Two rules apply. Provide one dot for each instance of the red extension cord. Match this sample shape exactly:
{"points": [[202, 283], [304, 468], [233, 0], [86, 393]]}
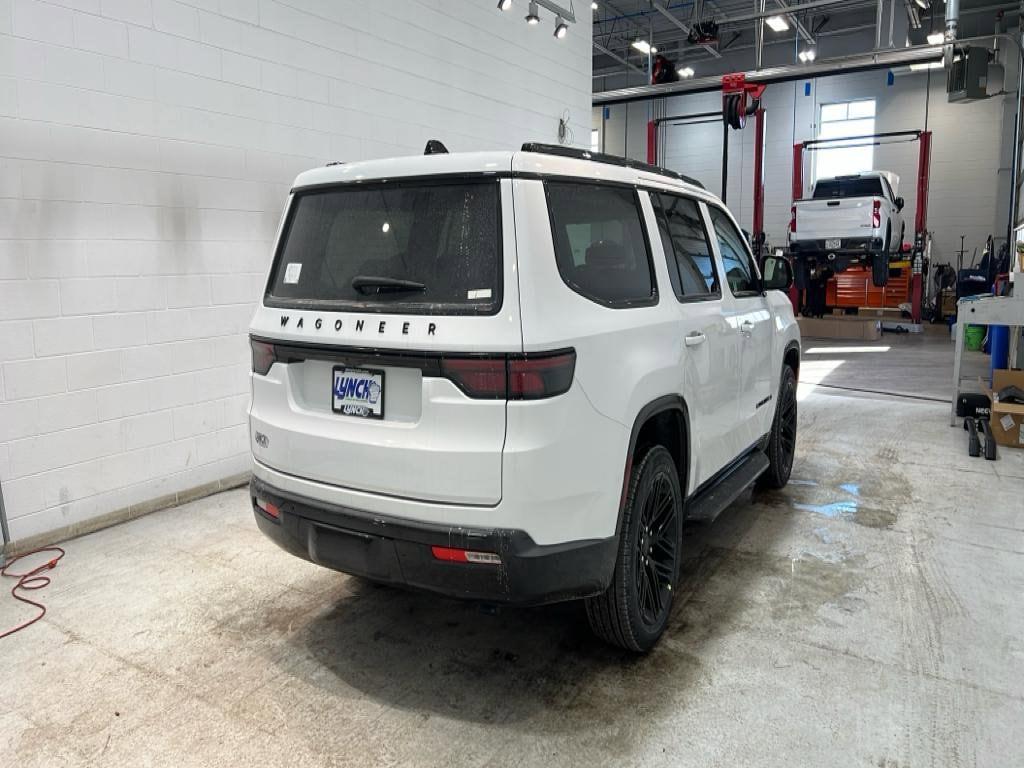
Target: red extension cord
{"points": [[30, 580]]}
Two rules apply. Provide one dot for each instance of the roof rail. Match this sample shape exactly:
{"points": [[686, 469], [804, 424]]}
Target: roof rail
{"points": [[600, 157]]}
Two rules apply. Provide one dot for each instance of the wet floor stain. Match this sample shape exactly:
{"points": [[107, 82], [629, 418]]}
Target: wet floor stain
{"points": [[852, 510], [851, 488], [835, 509]]}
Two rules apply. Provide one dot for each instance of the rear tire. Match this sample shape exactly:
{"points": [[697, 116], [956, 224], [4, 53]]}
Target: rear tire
{"points": [[880, 263], [633, 612], [782, 440]]}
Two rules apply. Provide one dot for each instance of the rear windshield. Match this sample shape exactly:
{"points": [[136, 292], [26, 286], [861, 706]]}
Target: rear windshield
{"points": [[408, 247], [832, 188]]}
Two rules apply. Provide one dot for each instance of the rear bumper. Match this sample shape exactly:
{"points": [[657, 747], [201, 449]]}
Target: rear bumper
{"points": [[849, 246], [397, 551]]}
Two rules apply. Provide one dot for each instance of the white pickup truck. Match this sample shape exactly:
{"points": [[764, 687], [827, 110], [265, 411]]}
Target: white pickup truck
{"points": [[848, 220]]}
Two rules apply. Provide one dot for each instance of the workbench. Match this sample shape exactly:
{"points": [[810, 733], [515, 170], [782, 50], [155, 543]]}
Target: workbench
{"points": [[986, 310]]}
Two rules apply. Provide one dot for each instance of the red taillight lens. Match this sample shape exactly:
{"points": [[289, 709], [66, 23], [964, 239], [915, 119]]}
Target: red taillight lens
{"points": [[480, 377], [270, 509], [531, 378], [792, 219], [876, 213], [515, 377], [453, 555], [263, 356]]}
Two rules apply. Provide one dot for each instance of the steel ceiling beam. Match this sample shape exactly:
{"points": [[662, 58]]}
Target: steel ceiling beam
{"points": [[782, 74], [800, 28], [620, 59], [565, 13]]}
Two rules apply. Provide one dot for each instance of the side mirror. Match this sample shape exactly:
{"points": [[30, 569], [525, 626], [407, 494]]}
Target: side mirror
{"points": [[900, 203], [778, 274]]}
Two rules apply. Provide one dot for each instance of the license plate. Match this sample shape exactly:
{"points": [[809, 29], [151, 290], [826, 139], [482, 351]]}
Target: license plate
{"points": [[833, 244], [358, 392]]}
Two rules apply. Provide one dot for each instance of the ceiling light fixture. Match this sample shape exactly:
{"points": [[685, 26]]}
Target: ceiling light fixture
{"points": [[920, 67], [593, 6], [561, 28], [935, 38], [533, 14], [807, 56], [644, 47], [504, 5], [685, 71], [777, 23]]}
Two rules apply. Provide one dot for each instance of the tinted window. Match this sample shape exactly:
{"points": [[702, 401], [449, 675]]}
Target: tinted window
{"points": [[736, 259], [599, 241], [855, 187], [686, 246], [444, 237]]}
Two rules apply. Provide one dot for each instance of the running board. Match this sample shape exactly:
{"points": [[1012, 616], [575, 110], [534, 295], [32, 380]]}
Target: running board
{"points": [[707, 504]]}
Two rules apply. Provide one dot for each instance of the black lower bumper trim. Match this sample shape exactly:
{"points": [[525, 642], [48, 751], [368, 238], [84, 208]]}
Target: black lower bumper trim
{"points": [[398, 552]]}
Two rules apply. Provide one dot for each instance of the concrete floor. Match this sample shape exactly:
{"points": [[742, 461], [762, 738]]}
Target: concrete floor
{"points": [[868, 615]]}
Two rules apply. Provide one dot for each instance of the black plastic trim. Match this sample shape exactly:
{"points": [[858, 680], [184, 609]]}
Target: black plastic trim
{"points": [[660, 405], [397, 551]]}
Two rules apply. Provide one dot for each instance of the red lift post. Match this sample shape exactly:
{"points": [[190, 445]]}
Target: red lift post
{"points": [[924, 162]]}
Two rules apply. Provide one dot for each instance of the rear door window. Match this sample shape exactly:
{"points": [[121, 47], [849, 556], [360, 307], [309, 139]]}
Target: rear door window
{"points": [[411, 247], [600, 243], [685, 241]]}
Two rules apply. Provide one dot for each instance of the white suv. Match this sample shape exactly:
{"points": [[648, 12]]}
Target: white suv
{"points": [[510, 377]]}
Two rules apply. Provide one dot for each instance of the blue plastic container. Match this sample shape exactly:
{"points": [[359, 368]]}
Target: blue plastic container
{"points": [[999, 338]]}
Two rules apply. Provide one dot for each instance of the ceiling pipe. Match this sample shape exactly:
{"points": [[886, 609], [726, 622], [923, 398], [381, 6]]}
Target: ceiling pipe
{"points": [[782, 74], [879, 12], [952, 22], [555, 8]]}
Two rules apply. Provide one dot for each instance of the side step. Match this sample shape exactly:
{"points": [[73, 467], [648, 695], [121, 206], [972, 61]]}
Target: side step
{"points": [[709, 502]]}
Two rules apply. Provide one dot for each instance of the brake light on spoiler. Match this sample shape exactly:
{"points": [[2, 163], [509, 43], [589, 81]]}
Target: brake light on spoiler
{"points": [[876, 213]]}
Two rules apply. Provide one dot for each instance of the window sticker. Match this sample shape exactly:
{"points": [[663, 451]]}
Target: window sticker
{"points": [[481, 293], [292, 272]]}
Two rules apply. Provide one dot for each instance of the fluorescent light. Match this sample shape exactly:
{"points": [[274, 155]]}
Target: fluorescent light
{"points": [[561, 28], [807, 56], [777, 23], [504, 5], [644, 47], [533, 14], [685, 71], [926, 65], [935, 38]]}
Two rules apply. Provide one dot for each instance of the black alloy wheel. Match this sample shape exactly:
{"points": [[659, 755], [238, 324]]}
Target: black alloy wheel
{"points": [[633, 611]]}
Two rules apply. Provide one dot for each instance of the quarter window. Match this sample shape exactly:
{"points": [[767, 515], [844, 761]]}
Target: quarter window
{"points": [[740, 272], [600, 245], [685, 241]]}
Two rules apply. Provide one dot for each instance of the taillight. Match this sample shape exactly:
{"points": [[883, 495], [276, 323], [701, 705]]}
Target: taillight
{"points": [[792, 219], [876, 213], [479, 377], [532, 378], [263, 356], [453, 555], [512, 377]]}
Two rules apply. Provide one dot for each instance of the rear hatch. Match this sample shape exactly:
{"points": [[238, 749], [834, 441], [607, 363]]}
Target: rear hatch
{"points": [[841, 208], [379, 351]]}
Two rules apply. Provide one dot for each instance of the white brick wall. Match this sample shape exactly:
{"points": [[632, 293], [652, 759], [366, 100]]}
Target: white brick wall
{"points": [[146, 148], [970, 151]]}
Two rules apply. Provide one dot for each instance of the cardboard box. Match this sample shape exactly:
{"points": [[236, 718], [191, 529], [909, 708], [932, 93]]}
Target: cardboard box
{"points": [[848, 327], [1007, 421]]}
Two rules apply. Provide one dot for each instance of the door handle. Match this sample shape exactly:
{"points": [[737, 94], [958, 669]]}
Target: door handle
{"points": [[694, 339], [746, 328]]}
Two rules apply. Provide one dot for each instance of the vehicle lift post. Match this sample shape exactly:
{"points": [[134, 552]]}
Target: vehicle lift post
{"points": [[924, 164]]}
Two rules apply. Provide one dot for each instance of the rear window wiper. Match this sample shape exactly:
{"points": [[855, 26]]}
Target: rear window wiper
{"points": [[372, 284]]}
